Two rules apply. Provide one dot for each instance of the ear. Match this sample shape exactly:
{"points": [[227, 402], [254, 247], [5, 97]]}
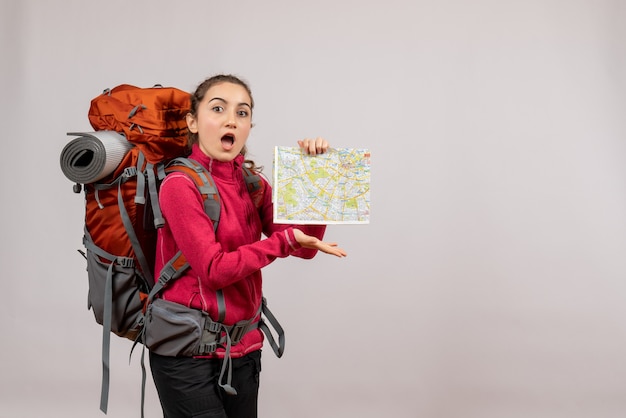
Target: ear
{"points": [[192, 124]]}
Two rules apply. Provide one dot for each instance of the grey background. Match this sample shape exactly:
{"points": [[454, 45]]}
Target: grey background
{"points": [[490, 282]]}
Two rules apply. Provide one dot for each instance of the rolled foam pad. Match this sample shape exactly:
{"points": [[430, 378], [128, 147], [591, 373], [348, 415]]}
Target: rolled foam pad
{"points": [[93, 155]]}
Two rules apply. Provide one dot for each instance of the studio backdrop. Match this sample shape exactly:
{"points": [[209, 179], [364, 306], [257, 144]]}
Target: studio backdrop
{"points": [[489, 282]]}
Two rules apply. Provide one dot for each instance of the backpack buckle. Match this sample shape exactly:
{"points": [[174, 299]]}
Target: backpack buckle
{"points": [[212, 327], [208, 348], [237, 333], [125, 262], [130, 172], [210, 336]]}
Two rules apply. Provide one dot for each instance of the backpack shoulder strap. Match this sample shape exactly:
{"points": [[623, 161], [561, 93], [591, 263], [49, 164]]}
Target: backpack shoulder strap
{"points": [[256, 186], [203, 180]]}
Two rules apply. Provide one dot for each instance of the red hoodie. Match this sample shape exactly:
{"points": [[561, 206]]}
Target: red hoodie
{"points": [[232, 259]]}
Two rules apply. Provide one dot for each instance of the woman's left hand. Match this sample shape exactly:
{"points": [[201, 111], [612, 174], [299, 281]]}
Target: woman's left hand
{"points": [[313, 243], [313, 146]]}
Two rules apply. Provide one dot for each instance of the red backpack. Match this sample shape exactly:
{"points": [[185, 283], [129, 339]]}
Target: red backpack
{"points": [[140, 136], [121, 210]]}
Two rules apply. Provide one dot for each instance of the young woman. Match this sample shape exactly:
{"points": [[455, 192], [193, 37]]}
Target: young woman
{"points": [[229, 260]]}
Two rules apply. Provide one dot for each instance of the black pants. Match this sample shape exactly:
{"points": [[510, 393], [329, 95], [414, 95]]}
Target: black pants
{"points": [[188, 387]]}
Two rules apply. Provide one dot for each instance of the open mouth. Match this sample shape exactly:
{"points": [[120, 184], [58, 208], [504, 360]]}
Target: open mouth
{"points": [[228, 141]]}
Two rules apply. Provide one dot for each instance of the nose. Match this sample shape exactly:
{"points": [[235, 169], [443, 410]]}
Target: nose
{"points": [[231, 121]]}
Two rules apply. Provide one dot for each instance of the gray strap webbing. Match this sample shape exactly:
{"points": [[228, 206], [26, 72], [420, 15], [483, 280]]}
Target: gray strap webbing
{"points": [[140, 338], [168, 272], [135, 109], [161, 171], [211, 204], [89, 244], [143, 379], [279, 348], [128, 173], [140, 198], [221, 306], [128, 225], [252, 180], [159, 221], [207, 186], [227, 364], [106, 339]]}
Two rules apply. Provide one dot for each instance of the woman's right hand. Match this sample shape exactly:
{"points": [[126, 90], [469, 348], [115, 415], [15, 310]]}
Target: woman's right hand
{"points": [[308, 241]]}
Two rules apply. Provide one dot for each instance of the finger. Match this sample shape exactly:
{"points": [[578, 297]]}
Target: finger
{"points": [[321, 145], [331, 248], [314, 146], [308, 145]]}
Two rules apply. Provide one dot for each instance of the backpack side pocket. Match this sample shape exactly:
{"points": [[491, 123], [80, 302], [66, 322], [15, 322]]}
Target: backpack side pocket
{"points": [[126, 301]]}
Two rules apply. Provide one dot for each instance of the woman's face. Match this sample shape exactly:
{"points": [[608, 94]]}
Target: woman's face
{"points": [[222, 121]]}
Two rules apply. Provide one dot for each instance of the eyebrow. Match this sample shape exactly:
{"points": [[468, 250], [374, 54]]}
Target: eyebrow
{"points": [[222, 100]]}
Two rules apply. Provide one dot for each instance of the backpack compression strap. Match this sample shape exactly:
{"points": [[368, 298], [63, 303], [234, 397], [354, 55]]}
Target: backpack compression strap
{"points": [[128, 225]]}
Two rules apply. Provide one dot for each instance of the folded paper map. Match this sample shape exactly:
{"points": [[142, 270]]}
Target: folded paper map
{"points": [[329, 188]]}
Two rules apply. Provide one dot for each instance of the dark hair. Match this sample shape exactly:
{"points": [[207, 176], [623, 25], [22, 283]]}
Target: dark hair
{"points": [[197, 96]]}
